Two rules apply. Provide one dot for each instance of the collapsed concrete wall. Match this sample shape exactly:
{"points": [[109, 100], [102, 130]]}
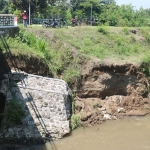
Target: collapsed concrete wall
{"points": [[47, 105]]}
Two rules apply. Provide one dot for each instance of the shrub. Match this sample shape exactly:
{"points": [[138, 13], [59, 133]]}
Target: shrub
{"points": [[146, 69], [75, 121], [14, 113], [103, 30], [126, 30], [147, 37], [132, 39], [71, 73]]}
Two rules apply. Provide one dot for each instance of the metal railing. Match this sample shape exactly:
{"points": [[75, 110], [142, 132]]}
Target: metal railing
{"points": [[7, 20]]}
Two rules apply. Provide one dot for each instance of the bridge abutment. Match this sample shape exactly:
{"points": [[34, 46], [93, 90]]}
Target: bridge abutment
{"points": [[47, 106]]}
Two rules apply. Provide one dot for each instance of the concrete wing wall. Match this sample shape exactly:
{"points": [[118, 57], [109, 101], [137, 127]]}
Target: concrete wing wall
{"points": [[47, 103]]}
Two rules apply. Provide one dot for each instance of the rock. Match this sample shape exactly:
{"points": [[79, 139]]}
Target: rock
{"points": [[66, 131], [107, 116], [120, 109]]}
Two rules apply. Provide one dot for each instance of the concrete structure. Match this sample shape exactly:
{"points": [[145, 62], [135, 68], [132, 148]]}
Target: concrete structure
{"points": [[8, 25], [47, 105]]}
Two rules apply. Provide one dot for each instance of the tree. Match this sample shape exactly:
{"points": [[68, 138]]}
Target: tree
{"points": [[36, 5], [107, 2], [3, 7], [82, 8], [109, 14]]}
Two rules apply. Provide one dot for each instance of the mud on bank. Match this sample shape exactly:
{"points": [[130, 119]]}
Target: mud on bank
{"points": [[103, 91]]}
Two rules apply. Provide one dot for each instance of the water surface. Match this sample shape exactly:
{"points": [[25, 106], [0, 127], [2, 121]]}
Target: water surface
{"points": [[130, 133]]}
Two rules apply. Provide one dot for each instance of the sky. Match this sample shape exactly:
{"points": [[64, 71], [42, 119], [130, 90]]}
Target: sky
{"points": [[136, 3]]}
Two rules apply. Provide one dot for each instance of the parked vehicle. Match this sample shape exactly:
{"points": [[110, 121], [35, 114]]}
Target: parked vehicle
{"points": [[74, 22], [63, 23], [50, 23]]}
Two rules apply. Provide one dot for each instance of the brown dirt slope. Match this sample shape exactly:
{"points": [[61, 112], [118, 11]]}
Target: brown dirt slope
{"points": [[111, 92]]}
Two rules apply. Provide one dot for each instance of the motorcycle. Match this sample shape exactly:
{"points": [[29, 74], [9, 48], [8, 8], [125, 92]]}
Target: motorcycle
{"points": [[46, 24], [63, 24], [74, 23]]}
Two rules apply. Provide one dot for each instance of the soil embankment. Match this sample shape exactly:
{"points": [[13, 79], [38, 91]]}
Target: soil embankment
{"points": [[103, 91], [111, 92]]}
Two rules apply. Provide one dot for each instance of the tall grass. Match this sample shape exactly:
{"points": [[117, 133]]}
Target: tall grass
{"points": [[103, 30], [75, 121], [57, 60], [126, 30]]}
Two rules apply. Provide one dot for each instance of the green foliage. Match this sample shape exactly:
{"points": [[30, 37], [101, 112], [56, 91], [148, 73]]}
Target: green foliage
{"points": [[31, 40], [132, 39], [72, 73], [120, 40], [124, 50], [146, 34], [106, 11], [4, 7], [17, 13], [68, 49], [146, 69], [14, 113], [68, 16], [135, 48], [59, 60], [108, 2], [103, 30], [144, 30], [147, 37], [126, 30], [146, 66], [73, 104], [40, 45], [75, 121], [35, 5], [56, 59]]}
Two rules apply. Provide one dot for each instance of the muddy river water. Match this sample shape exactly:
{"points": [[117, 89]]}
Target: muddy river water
{"points": [[130, 133]]}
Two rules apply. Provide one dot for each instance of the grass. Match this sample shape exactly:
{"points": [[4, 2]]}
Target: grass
{"points": [[63, 49], [75, 121]]}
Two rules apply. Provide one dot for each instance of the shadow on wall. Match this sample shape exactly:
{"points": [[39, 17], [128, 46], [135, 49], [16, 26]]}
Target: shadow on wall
{"points": [[4, 69], [32, 128], [2, 106], [29, 130]]}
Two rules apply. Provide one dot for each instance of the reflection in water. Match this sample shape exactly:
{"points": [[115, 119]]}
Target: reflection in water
{"points": [[130, 133]]}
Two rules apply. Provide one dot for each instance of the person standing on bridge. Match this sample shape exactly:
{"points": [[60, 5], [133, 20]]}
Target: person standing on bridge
{"points": [[24, 18]]}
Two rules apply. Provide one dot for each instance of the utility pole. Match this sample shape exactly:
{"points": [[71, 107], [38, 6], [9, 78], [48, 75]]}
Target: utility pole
{"points": [[91, 14], [8, 6], [29, 12]]}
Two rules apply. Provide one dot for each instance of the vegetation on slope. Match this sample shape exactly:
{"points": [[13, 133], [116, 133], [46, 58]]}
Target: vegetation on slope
{"points": [[66, 50]]}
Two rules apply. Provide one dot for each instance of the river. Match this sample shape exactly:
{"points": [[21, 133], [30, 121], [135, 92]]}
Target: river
{"points": [[130, 133]]}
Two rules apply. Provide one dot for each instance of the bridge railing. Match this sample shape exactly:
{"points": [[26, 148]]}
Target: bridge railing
{"points": [[7, 19]]}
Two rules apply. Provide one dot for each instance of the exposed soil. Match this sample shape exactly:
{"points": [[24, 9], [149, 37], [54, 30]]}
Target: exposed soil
{"points": [[111, 92], [103, 91], [30, 65]]}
